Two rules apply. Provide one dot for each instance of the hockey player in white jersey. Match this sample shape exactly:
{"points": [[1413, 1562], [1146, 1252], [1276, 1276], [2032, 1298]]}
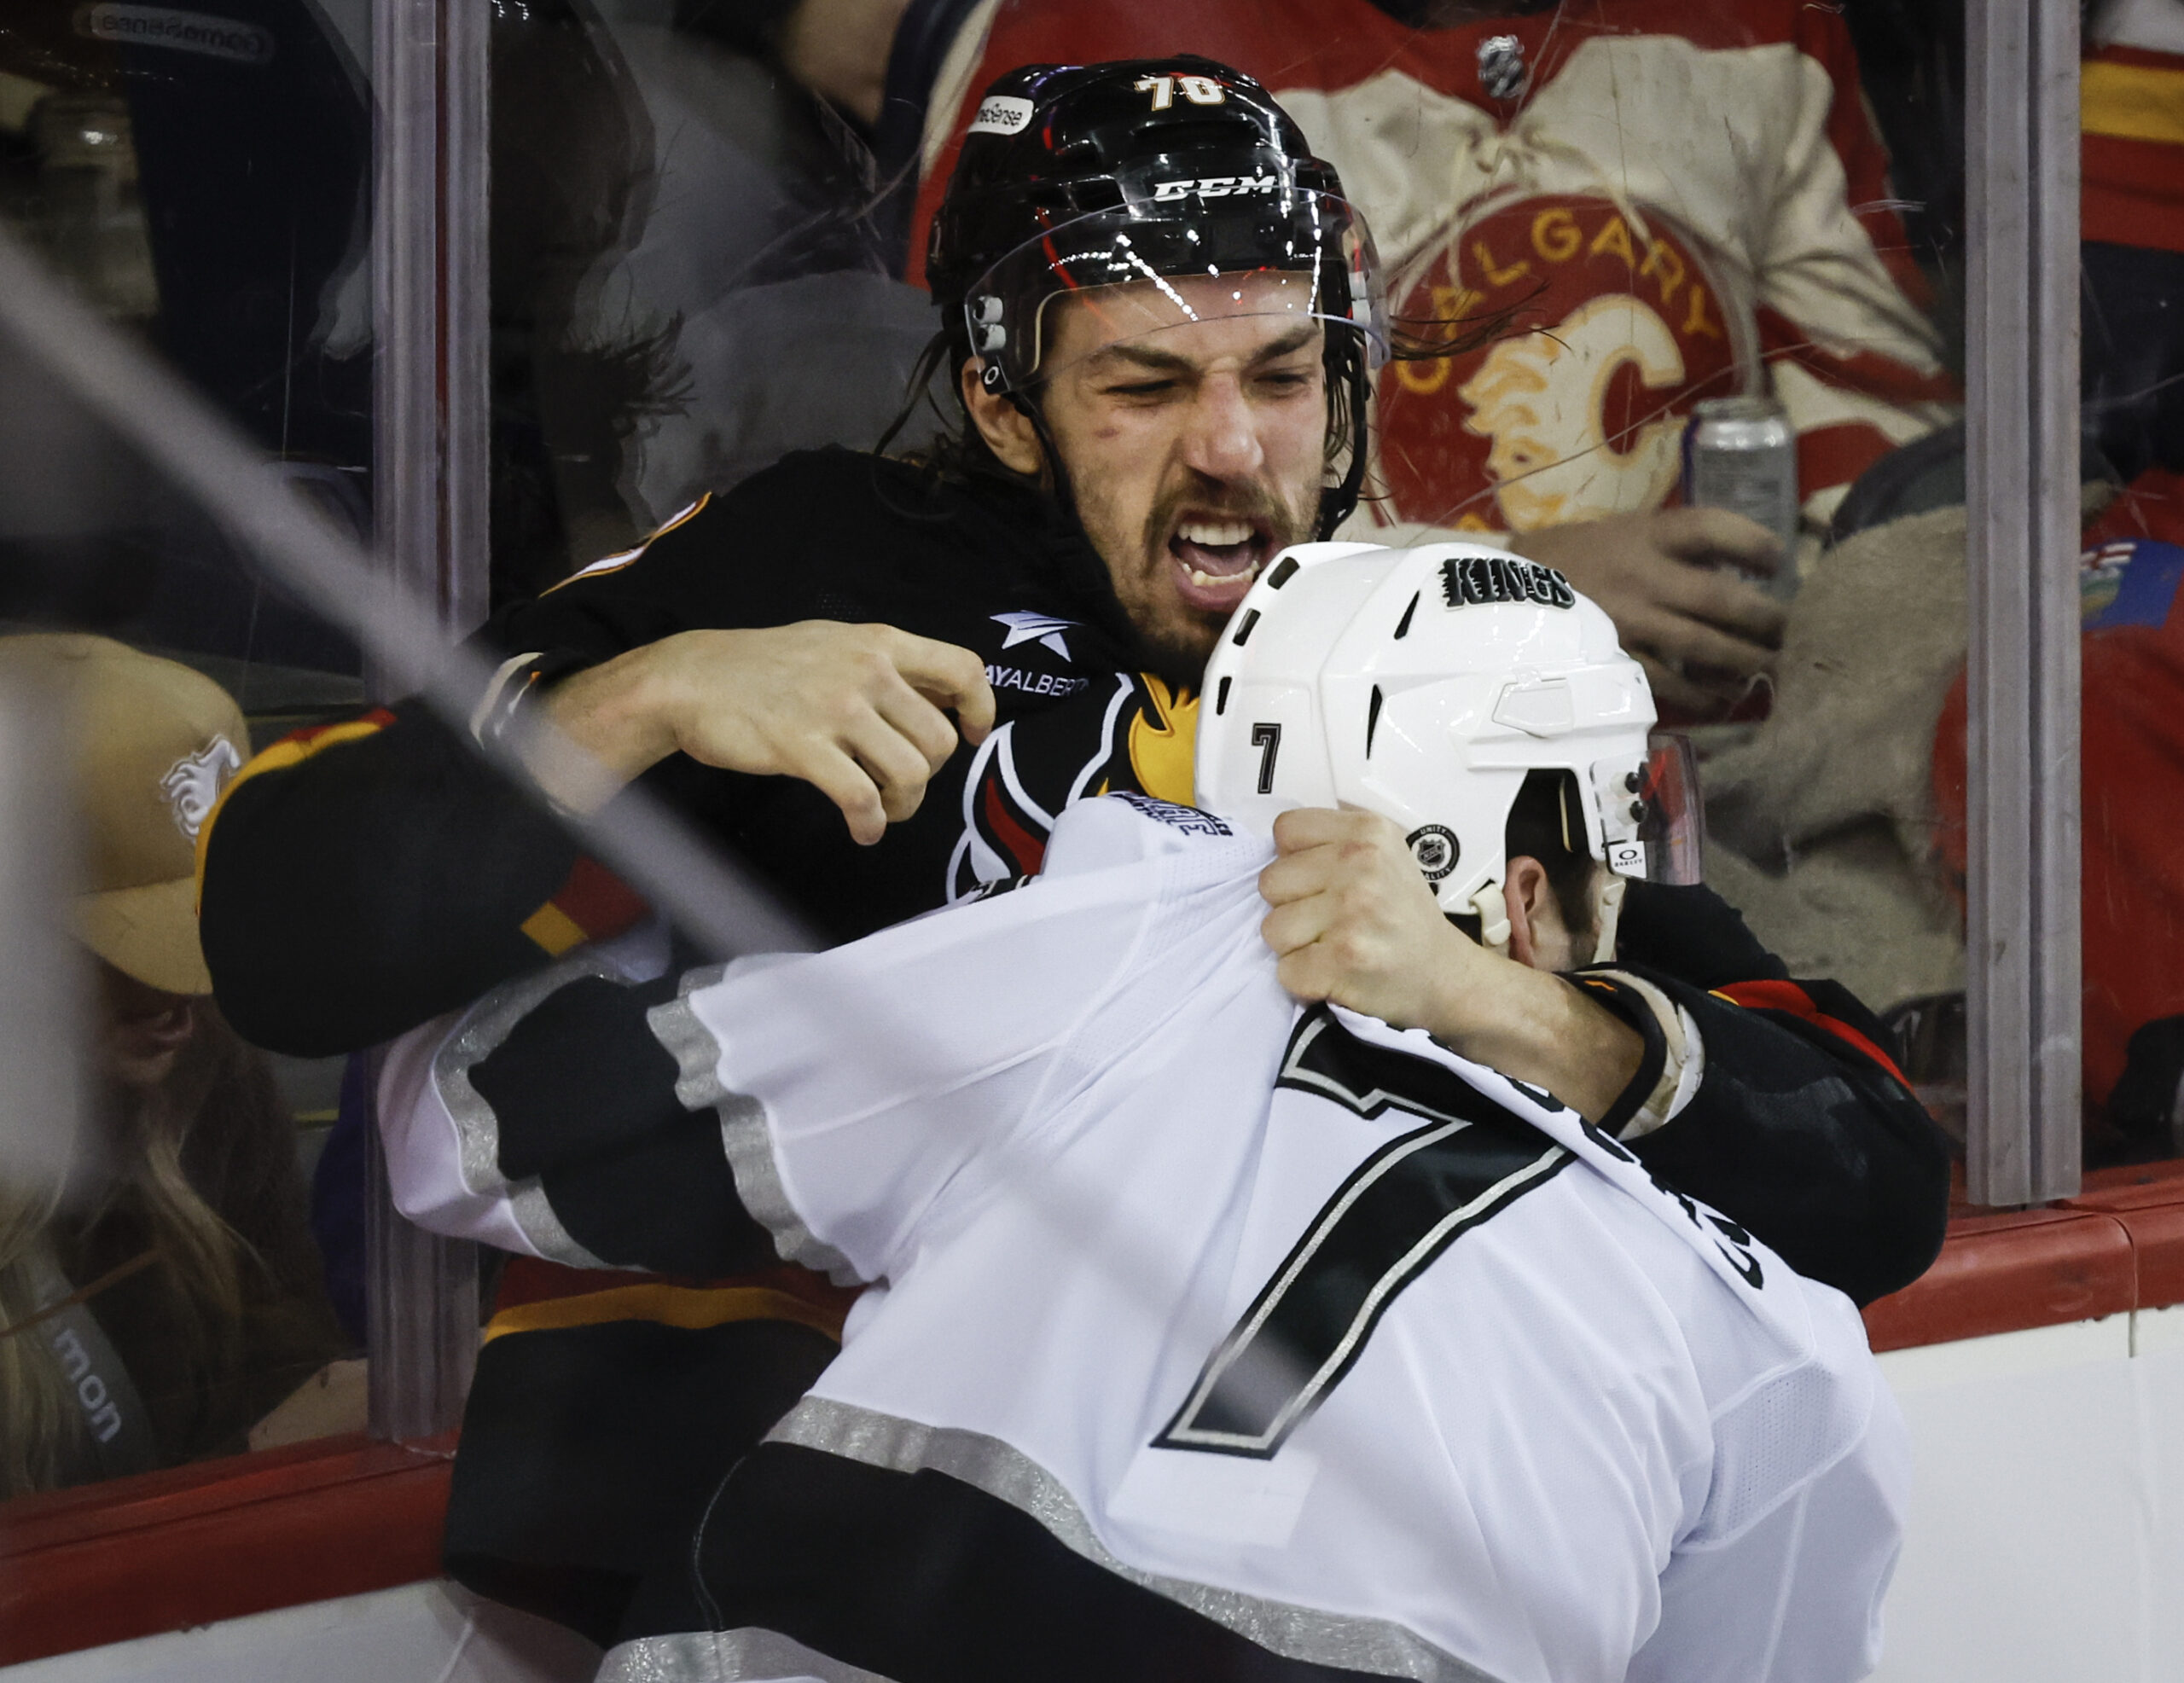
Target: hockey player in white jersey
{"points": [[1217, 1336]]}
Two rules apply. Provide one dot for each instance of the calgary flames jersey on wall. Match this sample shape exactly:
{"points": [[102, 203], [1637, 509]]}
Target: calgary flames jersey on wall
{"points": [[1673, 201]]}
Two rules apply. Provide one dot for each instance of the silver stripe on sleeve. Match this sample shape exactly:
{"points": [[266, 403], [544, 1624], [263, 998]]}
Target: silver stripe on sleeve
{"points": [[750, 1153], [725, 1657], [477, 1129], [1379, 1647], [528, 1208]]}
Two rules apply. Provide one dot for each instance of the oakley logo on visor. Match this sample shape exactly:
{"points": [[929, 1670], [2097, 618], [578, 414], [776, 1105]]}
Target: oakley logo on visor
{"points": [[1213, 187], [1001, 115]]}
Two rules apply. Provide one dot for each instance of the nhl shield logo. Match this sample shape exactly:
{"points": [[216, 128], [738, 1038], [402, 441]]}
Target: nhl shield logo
{"points": [[1434, 847], [194, 782]]}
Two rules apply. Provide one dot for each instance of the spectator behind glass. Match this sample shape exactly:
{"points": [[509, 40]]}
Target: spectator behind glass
{"points": [[171, 1296], [1541, 160]]}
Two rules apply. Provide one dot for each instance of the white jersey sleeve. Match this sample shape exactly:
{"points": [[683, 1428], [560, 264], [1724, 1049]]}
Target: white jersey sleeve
{"points": [[843, 1143], [1795, 1597]]}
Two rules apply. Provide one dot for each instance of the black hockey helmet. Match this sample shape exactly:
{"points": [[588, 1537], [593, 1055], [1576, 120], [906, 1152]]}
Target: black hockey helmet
{"points": [[1077, 176]]}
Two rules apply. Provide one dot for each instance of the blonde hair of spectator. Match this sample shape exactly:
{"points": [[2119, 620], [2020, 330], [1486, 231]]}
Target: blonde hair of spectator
{"points": [[39, 1421]]}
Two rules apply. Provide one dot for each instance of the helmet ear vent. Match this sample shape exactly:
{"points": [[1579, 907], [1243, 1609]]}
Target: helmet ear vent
{"points": [[1403, 625], [1282, 574], [1244, 631], [1220, 698], [1372, 721]]}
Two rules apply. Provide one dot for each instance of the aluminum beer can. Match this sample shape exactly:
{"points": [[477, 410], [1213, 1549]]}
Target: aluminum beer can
{"points": [[1739, 453]]}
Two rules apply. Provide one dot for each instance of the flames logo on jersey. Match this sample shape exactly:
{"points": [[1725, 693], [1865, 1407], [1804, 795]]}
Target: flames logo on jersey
{"points": [[1577, 412], [1132, 734]]}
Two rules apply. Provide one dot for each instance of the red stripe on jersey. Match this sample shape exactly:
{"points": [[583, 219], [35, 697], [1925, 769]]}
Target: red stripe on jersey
{"points": [[2146, 58], [1781, 339], [593, 904], [1026, 851], [2132, 193], [1790, 997], [378, 717], [532, 1279], [292, 750], [1835, 455], [598, 902]]}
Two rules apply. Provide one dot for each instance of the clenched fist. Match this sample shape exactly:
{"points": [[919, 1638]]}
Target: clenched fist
{"points": [[858, 712], [1352, 921]]}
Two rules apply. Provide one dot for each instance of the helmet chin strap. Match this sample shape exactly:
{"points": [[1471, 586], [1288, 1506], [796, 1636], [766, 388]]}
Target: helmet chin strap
{"points": [[1607, 910], [1493, 911]]}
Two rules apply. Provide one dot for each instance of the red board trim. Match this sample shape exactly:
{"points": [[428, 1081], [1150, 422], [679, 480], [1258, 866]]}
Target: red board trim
{"points": [[345, 1516], [2118, 1245], [165, 1550], [2007, 1273]]}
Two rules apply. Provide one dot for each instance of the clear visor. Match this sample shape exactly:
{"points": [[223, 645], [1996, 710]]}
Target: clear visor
{"points": [[1183, 251], [1674, 827]]}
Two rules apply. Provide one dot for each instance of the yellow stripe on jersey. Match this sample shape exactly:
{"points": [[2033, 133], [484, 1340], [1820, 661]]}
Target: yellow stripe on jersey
{"points": [[2132, 102], [553, 929], [622, 557], [292, 749], [691, 1308]]}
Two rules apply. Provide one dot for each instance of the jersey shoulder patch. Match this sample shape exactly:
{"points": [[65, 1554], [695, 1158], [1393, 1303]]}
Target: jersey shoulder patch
{"points": [[1190, 820], [1127, 829]]}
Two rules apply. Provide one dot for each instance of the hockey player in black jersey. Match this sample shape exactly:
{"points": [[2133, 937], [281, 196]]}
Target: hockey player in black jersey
{"points": [[1224, 1336], [1120, 478]]}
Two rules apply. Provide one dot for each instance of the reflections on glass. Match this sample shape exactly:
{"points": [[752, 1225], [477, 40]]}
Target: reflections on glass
{"points": [[175, 1294], [2132, 646], [733, 274], [701, 221], [164, 1297]]}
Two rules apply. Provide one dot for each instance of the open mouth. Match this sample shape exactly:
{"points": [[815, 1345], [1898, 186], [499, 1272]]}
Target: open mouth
{"points": [[1217, 557]]}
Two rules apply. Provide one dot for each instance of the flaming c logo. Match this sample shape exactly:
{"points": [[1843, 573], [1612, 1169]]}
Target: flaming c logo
{"points": [[1574, 411], [1541, 400]]}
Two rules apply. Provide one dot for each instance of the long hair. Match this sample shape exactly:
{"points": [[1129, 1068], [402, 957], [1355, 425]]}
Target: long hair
{"points": [[170, 1155], [41, 1428]]}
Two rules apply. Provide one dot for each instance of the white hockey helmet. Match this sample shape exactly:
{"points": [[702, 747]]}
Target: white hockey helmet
{"points": [[1424, 684]]}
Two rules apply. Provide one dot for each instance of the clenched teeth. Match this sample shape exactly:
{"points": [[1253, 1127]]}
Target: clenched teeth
{"points": [[1215, 534], [1204, 579]]}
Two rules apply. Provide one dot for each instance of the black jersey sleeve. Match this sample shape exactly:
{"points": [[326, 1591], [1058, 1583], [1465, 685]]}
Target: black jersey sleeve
{"points": [[360, 879], [555, 1118], [582, 1099], [1800, 1126]]}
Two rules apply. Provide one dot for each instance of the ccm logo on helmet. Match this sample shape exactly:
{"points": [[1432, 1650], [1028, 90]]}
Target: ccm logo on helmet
{"points": [[1213, 187], [1472, 580]]}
